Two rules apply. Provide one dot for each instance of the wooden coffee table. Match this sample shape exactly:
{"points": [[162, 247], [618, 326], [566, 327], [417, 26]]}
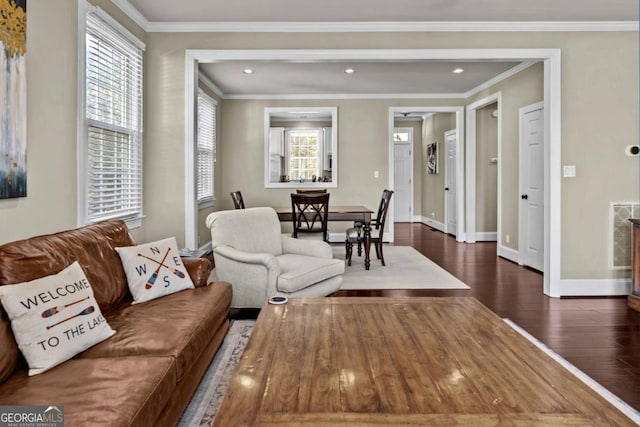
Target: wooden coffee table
{"points": [[400, 361]]}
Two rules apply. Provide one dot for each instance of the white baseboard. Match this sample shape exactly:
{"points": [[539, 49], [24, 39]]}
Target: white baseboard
{"points": [[594, 287], [486, 236], [432, 223], [508, 253]]}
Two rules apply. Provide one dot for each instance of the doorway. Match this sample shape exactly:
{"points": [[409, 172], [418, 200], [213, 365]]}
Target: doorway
{"points": [[403, 173], [450, 189], [531, 183]]}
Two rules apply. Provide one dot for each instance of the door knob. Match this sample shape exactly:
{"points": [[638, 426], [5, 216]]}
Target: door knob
{"points": [[446, 188], [524, 197]]}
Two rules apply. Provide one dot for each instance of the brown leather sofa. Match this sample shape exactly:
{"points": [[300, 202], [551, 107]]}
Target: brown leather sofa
{"points": [[146, 373]]}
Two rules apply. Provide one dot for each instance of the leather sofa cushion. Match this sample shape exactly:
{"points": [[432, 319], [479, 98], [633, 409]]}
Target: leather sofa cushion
{"points": [[92, 246], [300, 271], [142, 329], [127, 391], [40, 256]]}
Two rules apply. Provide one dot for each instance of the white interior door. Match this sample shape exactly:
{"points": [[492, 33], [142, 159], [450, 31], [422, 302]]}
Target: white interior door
{"points": [[450, 205], [403, 174], [531, 230]]}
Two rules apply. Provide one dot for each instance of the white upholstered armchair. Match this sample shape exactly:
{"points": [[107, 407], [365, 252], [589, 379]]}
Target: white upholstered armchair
{"points": [[252, 254]]}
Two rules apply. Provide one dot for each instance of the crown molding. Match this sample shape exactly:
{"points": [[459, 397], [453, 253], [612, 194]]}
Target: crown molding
{"points": [[318, 96], [500, 77], [386, 27], [132, 13], [211, 85]]}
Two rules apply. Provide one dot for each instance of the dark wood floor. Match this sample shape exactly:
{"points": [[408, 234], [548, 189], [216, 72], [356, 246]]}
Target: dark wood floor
{"points": [[600, 336]]}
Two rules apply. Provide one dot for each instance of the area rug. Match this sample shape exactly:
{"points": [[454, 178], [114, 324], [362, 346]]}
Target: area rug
{"points": [[406, 268], [207, 398], [622, 406]]}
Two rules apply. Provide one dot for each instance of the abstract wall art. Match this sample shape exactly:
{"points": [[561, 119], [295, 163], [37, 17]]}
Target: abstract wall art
{"points": [[13, 99]]}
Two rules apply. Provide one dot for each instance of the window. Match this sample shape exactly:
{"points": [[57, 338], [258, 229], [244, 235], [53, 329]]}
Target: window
{"points": [[206, 149], [303, 153], [111, 141]]}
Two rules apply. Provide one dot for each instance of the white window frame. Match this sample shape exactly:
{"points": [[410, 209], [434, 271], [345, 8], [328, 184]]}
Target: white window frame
{"points": [[132, 220], [208, 201], [287, 154]]}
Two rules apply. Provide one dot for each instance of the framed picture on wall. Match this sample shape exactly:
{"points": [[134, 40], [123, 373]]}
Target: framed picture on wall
{"points": [[432, 158]]}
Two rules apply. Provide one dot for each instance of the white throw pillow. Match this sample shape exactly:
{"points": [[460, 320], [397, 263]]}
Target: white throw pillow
{"points": [[154, 269], [54, 318]]}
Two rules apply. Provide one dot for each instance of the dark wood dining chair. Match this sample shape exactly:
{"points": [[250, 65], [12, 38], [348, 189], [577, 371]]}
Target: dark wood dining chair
{"points": [[311, 190], [238, 202], [310, 213], [355, 235]]}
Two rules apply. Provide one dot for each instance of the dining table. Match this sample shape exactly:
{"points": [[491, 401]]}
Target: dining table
{"points": [[342, 213]]}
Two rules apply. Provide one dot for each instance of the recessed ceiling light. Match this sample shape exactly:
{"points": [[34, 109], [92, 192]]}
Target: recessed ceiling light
{"points": [[247, 71], [458, 71], [349, 71]]}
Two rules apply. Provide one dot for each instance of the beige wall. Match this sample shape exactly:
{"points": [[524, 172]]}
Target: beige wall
{"points": [[362, 149], [52, 88], [599, 118], [433, 184], [486, 173]]}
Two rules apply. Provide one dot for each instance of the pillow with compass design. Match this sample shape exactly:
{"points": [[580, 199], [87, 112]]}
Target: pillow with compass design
{"points": [[154, 269]]}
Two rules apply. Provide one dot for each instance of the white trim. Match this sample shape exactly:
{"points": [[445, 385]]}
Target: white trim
{"points": [[470, 171], [521, 161], [133, 13], [338, 55], [552, 175], [432, 223], [384, 27], [190, 200], [595, 287], [334, 148], [411, 145], [487, 236], [117, 26], [508, 253], [614, 400], [81, 117], [202, 78], [346, 96], [552, 99]]}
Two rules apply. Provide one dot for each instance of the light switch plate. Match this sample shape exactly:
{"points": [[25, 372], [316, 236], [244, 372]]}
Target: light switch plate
{"points": [[569, 171]]}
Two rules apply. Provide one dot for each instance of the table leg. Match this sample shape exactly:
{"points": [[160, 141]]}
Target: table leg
{"points": [[367, 244]]}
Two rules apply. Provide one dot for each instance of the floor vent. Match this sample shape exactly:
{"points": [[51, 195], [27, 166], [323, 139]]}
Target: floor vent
{"points": [[621, 212]]}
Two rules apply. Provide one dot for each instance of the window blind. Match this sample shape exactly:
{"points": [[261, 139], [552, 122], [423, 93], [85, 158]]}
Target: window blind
{"points": [[206, 147], [113, 77]]}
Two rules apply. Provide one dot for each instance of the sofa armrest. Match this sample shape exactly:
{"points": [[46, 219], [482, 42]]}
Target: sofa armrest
{"points": [[199, 270], [316, 248]]}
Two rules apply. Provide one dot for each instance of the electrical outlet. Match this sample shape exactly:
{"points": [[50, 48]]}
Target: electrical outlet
{"points": [[433, 214], [376, 174], [507, 238]]}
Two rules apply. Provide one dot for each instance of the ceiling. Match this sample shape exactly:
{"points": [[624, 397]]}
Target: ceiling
{"points": [[385, 10], [370, 79]]}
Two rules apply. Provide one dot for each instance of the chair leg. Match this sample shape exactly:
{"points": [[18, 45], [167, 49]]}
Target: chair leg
{"points": [[359, 248], [377, 249], [349, 250], [381, 254]]}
